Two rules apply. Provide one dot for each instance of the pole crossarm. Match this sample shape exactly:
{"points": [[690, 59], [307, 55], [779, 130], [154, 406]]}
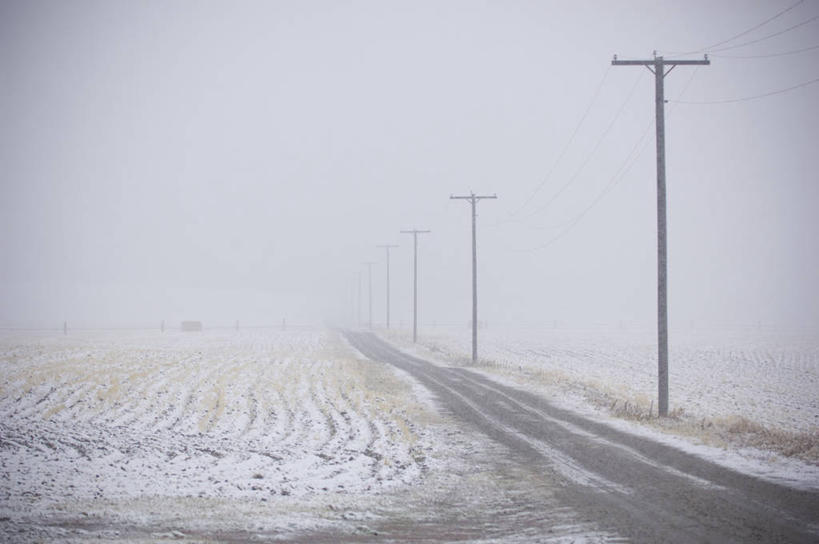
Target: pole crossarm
{"points": [[661, 60], [473, 196]]}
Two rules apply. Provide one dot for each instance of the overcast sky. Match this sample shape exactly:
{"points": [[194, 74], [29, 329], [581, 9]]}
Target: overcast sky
{"points": [[241, 160]]}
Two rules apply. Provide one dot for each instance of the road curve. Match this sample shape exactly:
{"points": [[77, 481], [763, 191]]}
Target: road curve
{"points": [[632, 486]]}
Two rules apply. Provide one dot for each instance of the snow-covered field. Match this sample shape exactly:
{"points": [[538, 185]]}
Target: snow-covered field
{"points": [[260, 435], [149, 425], [770, 378]]}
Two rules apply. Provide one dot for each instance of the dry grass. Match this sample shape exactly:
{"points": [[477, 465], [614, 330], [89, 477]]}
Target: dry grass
{"points": [[731, 431], [742, 431]]}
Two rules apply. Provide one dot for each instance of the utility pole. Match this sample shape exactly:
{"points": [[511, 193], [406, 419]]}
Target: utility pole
{"points": [[358, 311], [415, 234], [473, 198], [387, 248], [370, 292], [657, 66]]}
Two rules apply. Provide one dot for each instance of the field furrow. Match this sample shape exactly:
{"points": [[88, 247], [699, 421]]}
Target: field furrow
{"points": [[231, 416]]}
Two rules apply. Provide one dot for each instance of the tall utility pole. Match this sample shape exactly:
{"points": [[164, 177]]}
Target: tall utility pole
{"points": [[415, 234], [387, 248], [473, 198], [657, 66], [370, 293]]}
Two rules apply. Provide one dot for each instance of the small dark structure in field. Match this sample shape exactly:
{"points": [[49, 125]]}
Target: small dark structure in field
{"points": [[191, 326]]}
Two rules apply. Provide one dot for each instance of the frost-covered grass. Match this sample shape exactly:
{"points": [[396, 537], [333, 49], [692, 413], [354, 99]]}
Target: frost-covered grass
{"points": [[155, 424], [745, 388]]}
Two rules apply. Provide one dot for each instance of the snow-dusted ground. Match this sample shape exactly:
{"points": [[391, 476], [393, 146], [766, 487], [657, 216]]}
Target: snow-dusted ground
{"points": [[150, 427], [767, 377], [268, 434]]}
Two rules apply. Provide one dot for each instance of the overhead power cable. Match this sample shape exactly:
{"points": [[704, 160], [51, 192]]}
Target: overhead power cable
{"points": [[769, 36], [760, 25], [627, 165], [743, 33], [592, 153], [748, 98], [621, 172], [568, 144], [765, 56]]}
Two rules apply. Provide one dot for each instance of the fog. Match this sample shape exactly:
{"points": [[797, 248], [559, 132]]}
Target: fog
{"points": [[227, 161]]}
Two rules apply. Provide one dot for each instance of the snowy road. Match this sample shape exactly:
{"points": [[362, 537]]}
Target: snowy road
{"points": [[629, 486]]}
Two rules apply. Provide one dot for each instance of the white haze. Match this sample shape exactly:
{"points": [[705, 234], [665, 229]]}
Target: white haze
{"points": [[229, 161]]}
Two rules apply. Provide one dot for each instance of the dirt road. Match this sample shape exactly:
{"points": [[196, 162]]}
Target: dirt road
{"points": [[628, 486]]}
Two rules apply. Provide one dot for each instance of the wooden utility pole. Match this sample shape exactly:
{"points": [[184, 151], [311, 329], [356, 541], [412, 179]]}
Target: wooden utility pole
{"points": [[387, 248], [657, 66], [370, 293], [415, 234], [473, 199]]}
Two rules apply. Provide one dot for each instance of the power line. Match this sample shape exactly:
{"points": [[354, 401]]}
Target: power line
{"points": [[769, 36], [635, 153], [760, 25], [620, 173], [749, 98], [743, 33], [767, 56], [591, 154], [567, 145]]}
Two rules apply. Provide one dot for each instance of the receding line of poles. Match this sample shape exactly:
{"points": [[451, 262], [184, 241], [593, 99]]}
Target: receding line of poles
{"points": [[474, 199], [657, 66], [415, 233], [387, 248]]}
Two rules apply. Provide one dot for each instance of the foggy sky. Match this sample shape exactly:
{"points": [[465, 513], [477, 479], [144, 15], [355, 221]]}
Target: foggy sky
{"points": [[241, 160]]}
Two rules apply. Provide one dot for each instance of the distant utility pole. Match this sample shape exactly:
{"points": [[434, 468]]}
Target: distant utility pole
{"points": [[473, 198], [415, 234], [359, 299], [657, 66], [370, 293], [387, 248]]}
